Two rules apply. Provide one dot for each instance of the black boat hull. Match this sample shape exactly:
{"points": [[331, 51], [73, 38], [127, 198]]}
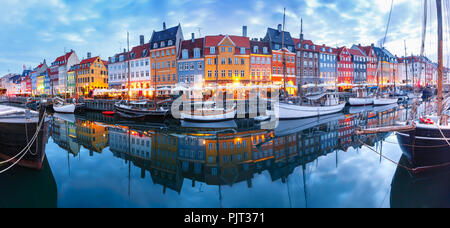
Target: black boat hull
{"points": [[425, 147], [13, 138], [140, 114]]}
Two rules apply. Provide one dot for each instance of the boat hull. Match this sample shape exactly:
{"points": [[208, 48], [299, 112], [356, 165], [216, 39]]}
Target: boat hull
{"points": [[360, 101], [291, 111], [134, 113], [69, 108], [385, 101], [13, 138], [425, 146], [209, 117]]}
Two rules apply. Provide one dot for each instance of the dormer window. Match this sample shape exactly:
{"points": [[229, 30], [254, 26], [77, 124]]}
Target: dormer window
{"points": [[265, 50], [312, 47], [144, 53], [162, 44], [132, 55], [185, 54], [170, 42], [242, 50], [197, 53], [155, 45], [212, 50], [255, 49], [306, 46]]}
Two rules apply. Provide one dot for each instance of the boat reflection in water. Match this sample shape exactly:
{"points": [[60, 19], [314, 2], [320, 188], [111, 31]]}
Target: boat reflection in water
{"points": [[425, 191], [220, 157]]}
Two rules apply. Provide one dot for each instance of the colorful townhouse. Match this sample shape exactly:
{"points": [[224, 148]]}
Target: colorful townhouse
{"points": [[260, 62], [118, 70], [58, 72], [191, 62], [227, 60], [327, 66], [371, 63], [388, 67], [345, 68], [282, 49], [359, 60], [307, 63], [37, 72], [140, 69], [164, 46], [91, 74]]}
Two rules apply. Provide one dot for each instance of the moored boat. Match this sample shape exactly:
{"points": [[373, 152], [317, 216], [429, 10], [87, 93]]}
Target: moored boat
{"points": [[324, 104]]}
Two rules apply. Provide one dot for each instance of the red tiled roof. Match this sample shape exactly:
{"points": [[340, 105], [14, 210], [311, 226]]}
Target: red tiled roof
{"points": [[190, 46], [90, 60], [355, 52], [138, 51], [63, 57], [239, 41]]}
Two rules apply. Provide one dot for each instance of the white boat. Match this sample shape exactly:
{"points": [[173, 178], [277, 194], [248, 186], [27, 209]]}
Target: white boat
{"points": [[64, 108], [361, 101], [318, 107], [385, 101], [209, 114]]}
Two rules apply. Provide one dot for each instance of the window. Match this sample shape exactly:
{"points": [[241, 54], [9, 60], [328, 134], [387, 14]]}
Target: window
{"points": [[185, 54], [236, 61], [255, 49], [230, 49], [199, 65], [212, 50], [223, 74], [242, 61], [236, 73], [230, 73], [223, 61], [253, 60], [209, 61], [196, 53], [242, 73], [242, 50], [265, 50], [170, 42], [209, 74]]}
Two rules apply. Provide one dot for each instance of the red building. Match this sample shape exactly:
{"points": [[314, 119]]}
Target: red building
{"points": [[277, 69], [371, 63], [345, 68]]}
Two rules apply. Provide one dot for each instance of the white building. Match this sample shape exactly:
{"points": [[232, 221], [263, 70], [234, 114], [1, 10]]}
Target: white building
{"points": [[59, 69]]}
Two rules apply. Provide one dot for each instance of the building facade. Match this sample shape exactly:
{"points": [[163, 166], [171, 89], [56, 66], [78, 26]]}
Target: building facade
{"points": [[345, 68], [260, 62], [164, 47], [90, 74], [191, 62], [359, 60], [227, 59], [58, 72]]}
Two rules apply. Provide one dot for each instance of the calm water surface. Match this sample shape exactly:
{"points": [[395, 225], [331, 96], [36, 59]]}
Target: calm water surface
{"points": [[95, 161]]}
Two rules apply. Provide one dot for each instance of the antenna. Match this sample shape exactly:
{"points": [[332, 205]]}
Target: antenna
{"points": [[199, 31]]}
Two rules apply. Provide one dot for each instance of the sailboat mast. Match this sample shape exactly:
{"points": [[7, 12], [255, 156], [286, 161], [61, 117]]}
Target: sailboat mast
{"points": [[300, 83], [128, 58], [440, 96], [406, 63], [284, 60]]}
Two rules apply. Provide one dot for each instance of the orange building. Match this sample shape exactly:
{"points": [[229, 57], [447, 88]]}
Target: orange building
{"points": [[91, 74], [164, 48], [227, 59], [278, 75]]}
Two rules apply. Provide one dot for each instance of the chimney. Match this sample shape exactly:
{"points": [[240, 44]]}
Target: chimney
{"points": [[193, 37], [244, 31], [88, 55], [164, 25], [372, 45], [359, 45], [279, 28], [141, 38], [124, 50]]}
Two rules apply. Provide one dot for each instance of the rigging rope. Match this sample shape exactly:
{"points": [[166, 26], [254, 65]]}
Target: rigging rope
{"points": [[24, 151]]}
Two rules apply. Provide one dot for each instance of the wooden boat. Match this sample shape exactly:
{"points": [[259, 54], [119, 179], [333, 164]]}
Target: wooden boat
{"points": [[212, 114], [60, 106], [17, 128], [320, 105], [362, 99], [130, 111]]}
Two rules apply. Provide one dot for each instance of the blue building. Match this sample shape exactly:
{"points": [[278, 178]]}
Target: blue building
{"points": [[192, 154], [359, 59], [191, 61], [327, 65]]}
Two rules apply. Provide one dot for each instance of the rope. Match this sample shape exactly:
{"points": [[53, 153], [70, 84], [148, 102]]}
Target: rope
{"points": [[443, 135], [24, 150], [413, 170]]}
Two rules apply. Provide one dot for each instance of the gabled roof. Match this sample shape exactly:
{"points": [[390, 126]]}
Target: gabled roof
{"points": [[190, 46], [261, 45], [239, 41], [276, 37], [165, 35], [356, 52], [59, 61], [138, 51], [309, 43]]}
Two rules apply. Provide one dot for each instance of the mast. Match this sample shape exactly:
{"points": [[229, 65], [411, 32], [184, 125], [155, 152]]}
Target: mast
{"points": [[284, 56], [440, 61], [406, 64], [128, 58], [300, 89]]}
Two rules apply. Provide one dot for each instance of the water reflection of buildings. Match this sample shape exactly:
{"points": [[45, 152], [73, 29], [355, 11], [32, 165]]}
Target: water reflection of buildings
{"points": [[70, 134], [226, 157]]}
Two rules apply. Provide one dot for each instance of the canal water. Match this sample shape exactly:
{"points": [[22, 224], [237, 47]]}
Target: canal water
{"points": [[98, 161]]}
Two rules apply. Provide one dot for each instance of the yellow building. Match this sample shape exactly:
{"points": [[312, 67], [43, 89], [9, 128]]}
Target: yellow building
{"points": [[92, 136], [227, 59], [91, 73]]}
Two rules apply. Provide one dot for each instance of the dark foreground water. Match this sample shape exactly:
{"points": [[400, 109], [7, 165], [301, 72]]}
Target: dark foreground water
{"points": [[95, 161]]}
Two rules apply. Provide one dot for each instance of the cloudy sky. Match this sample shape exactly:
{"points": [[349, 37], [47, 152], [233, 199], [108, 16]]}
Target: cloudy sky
{"points": [[33, 30]]}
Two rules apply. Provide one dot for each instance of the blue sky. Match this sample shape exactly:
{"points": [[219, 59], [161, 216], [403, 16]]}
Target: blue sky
{"points": [[33, 30]]}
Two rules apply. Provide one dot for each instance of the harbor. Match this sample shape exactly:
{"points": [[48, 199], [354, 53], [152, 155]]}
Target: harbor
{"points": [[265, 112]]}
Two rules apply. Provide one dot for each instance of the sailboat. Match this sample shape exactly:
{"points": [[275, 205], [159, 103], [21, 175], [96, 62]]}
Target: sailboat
{"points": [[138, 109], [61, 106], [363, 98], [317, 105], [428, 144]]}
